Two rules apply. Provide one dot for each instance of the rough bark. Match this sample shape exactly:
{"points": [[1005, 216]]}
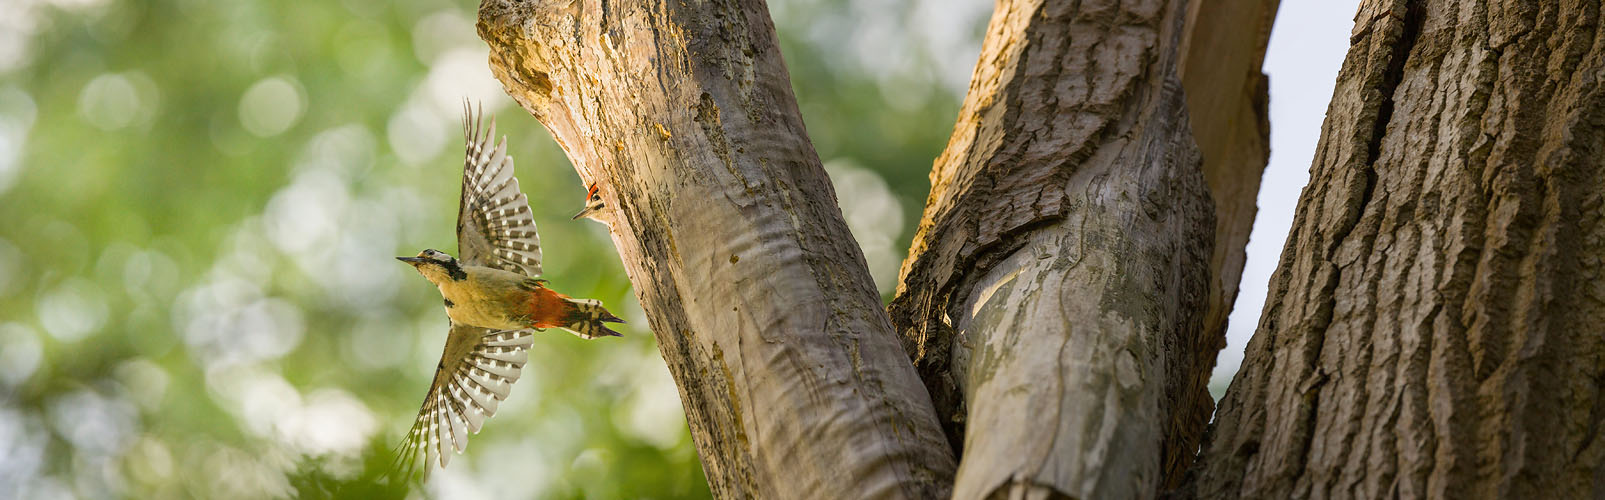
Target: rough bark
{"points": [[1227, 104], [1436, 327], [1059, 273], [793, 381]]}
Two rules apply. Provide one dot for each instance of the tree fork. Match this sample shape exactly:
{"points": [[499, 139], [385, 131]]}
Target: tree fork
{"points": [[1223, 47], [1055, 295], [793, 381]]}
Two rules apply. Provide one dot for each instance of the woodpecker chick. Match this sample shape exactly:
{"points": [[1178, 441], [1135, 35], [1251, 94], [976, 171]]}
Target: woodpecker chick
{"points": [[593, 205], [493, 300]]}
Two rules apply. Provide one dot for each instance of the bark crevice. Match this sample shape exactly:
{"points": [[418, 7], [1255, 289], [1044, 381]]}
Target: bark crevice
{"points": [[1424, 335]]}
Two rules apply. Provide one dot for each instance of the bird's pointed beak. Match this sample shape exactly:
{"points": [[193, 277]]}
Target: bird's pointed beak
{"points": [[411, 260], [584, 213]]}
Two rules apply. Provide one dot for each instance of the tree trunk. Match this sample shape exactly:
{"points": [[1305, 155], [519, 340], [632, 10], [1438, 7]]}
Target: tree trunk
{"points": [[793, 381], [1058, 282], [1436, 327]]}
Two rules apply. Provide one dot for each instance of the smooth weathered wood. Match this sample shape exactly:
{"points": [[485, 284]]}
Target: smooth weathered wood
{"points": [[1436, 327], [1060, 271], [793, 381], [1223, 47]]}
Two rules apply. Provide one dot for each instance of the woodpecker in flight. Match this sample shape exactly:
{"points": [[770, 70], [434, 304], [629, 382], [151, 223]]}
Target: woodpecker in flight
{"points": [[493, 300]]}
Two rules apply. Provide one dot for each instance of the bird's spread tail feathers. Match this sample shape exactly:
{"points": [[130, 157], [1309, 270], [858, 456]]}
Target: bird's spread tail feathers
{"points": [[583, 317], [587, 318]]}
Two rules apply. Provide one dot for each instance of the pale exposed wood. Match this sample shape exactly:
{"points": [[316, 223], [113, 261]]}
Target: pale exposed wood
{"points": [[1060, 271], [1436, 327], [1223, 47], [793, 381]]}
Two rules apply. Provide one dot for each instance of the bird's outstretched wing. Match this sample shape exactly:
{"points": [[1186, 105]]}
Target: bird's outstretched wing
{"points": [[494, 224], [475, 374]]}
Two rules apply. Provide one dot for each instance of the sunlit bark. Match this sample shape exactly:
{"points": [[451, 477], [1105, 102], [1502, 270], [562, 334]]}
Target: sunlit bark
{"points": [[793, 381]]}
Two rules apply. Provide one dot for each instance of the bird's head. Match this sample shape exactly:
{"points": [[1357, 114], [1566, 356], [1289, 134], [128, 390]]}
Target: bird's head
{"points": [[593, 205], [436, 266]]}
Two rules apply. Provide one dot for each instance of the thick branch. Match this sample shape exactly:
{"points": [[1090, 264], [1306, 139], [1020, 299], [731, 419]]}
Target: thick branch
{"points": [[1227, 98], [1059, 275], [792, 379]]}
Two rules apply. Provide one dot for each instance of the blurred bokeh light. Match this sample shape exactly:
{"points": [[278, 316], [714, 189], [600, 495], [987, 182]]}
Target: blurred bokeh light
{"points": [[200, 202]]}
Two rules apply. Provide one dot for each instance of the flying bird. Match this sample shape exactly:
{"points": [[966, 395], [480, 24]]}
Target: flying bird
{"points": [[493, 299]]}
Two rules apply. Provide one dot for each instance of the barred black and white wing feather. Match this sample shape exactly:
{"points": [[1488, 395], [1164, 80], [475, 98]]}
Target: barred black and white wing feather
{"points": [[494, 224], [475, 374]]}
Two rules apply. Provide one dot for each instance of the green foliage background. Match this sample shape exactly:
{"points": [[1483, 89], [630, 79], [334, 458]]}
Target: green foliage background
{"points": [[199, 202]]}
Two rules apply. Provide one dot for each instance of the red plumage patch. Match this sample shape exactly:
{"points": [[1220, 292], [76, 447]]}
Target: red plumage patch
{"points": [[548, 309]]}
